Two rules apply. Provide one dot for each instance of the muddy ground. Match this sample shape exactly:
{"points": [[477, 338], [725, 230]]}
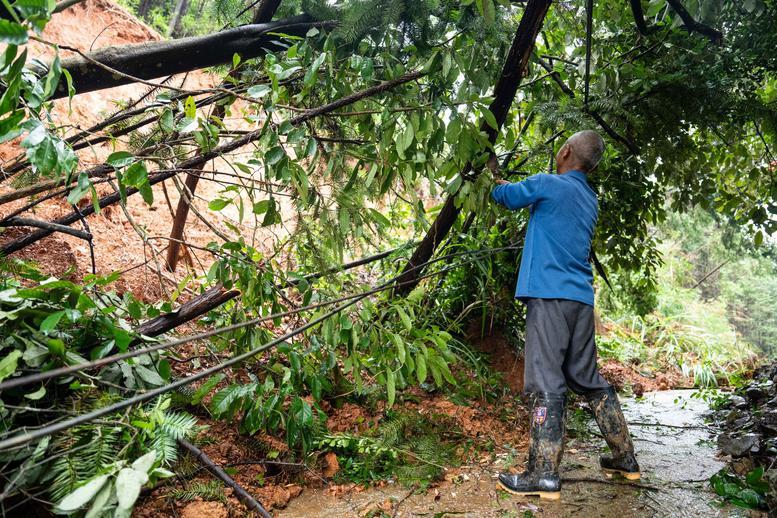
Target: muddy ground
{"points": [[675, 448]]}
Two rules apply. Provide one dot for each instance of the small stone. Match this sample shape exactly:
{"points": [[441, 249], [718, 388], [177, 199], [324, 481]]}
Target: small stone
{"points": [[741, 422], [738, 402], [738, 446], [755, 394]]}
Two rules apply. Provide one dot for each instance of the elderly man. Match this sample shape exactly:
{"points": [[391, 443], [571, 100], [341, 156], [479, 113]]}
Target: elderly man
{"points": [[555, 282]]}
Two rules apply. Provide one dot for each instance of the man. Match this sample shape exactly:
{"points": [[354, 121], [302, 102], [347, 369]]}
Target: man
{"points": [[556, 283]]}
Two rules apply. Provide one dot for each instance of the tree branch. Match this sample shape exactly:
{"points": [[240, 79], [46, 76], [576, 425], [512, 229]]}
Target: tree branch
{"points": [[249, 501], [504, 92], [49, 227], [691, 25], [639, 18], [631, 146], [197, 160]]}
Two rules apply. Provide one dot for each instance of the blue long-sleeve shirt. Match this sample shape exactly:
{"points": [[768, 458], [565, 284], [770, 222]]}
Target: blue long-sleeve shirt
{"points": [[563, 214]]}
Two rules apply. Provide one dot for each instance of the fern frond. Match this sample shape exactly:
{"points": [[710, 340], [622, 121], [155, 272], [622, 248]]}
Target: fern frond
{"points": [[210, 491]]}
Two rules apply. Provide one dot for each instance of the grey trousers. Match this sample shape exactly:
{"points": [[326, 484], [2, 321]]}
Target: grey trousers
{"points": [[560, 349]]}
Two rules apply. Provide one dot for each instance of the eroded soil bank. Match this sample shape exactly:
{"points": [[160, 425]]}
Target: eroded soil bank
{"points": [[675, 448]]}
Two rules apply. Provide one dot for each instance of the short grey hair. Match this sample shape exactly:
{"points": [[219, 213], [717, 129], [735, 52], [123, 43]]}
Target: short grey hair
{"points": [[587, 148]]}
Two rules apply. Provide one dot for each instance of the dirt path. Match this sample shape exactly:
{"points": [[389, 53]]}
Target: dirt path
{"points": [[677, 459]]}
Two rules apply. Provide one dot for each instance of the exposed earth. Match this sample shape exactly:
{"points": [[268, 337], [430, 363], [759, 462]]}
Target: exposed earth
{"points": [[675, 448]]}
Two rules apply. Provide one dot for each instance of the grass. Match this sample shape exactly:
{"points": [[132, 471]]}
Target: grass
{"points": [[684, 331]]}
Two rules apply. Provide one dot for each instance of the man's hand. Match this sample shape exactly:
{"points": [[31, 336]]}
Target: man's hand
{"points": [[500, 181]]}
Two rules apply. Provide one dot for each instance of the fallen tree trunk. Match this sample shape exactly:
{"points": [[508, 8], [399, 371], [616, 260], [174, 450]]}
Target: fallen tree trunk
{"points": [[188, 311], [513, 72], [96, 70], [264, 13], [203, 158]]}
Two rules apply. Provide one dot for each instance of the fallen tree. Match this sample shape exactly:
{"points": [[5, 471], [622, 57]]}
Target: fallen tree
{"points": [[513, 71], [120, 65], [263, 14], [199, 160]]}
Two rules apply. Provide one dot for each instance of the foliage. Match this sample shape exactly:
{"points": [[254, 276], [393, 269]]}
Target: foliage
{"points": [[403, 447], [748, 492], [702, 115], [210, 491], [114, 491]]}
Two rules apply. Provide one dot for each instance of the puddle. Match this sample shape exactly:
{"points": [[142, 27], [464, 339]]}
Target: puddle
{"points": [[676, 459]]}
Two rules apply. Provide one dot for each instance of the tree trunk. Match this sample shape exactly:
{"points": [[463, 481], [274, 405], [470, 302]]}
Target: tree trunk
{"points": [[264, 13], [163, 58], [144, 8], [174, 28], [512, 73]]}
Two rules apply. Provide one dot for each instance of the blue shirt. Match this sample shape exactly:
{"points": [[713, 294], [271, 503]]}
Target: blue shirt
{"points": [[563, 212]]}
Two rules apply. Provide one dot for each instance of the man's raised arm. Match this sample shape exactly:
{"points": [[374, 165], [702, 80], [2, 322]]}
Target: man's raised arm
{"points": [[518, 195]]}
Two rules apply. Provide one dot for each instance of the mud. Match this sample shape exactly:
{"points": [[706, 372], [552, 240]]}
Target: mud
{"points": [[677, 457]]}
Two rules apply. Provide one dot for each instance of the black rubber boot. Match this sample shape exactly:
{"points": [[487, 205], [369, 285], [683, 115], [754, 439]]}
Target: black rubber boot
{"points": [[609, 416], [546, 446]]}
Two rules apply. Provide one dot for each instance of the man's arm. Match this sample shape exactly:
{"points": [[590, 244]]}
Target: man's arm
{"points": [[518, 195]]}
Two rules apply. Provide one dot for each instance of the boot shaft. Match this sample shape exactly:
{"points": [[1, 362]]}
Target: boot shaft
{"points": [[609, 416], [546, 444]]}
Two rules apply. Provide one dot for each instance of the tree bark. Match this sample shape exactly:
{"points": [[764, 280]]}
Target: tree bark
{"points": [[513, 72], [199, 305], [174, 27], [163, 58], [264, 13]]}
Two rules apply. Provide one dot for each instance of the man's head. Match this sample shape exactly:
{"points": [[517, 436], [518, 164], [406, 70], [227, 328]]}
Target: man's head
{"points": [[581, 152]]}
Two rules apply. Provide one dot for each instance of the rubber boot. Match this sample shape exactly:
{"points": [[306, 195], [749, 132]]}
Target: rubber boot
{"points": [[609, 416], [546, 445]]}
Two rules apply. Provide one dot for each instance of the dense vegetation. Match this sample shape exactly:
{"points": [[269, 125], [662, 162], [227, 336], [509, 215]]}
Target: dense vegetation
{"points": [[358, 127]]}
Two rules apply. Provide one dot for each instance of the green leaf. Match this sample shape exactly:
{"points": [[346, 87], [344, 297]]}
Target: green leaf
{"points": [[129, 482], [12, 33], [149, 376], [405, 319], [489, 117], [136, 175], [311, 74], [167, 121], [100, 501], [82, 495], [420, 367], [759, 238], [259, 91], [82, 188], [205, 388], [9, 363], [35, 396], [144, 463], [274, 155], [120, 159], [218, 204], [400, 345], [51, 321], [405, 138], [489, 11], [190, 108]]}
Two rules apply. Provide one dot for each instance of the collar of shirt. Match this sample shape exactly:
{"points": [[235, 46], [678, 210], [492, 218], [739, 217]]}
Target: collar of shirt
{"points": [[574, 173]]}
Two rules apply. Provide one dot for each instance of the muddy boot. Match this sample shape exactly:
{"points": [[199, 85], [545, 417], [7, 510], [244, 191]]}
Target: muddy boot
{"points": [[546, 445], [609, 417]]}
